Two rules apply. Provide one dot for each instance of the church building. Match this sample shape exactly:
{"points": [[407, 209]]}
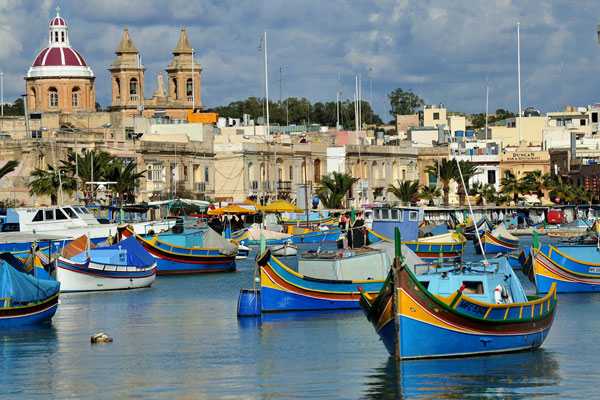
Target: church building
{"points": [[60, 80]]}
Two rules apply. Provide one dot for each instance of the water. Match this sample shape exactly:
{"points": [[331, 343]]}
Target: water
{"points": [[182, 339]]}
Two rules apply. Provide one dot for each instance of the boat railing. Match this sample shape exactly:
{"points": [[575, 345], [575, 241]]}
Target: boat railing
{"points": [[7, 301], [487, 267]]}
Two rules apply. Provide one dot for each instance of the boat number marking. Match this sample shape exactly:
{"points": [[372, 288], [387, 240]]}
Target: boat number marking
{"points": [[473, 308], [595, 269]]}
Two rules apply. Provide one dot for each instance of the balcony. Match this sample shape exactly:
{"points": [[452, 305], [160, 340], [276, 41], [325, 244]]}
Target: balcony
{"points": [[201, 186], [253, 185], [284, 186]]}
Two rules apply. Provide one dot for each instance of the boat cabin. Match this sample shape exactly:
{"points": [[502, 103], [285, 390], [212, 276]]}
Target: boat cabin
{"points": [[407, 219], [50, 218]]}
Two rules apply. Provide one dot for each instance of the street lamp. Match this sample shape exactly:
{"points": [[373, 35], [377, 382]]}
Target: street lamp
{"points": [[78, 130], [135, 136]]}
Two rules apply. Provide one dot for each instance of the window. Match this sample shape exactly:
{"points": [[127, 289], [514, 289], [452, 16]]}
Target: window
{"points": [[155, 172], [133, 89], [436, 116], [62, 37], [594, 117], [403, 174], [413, 215], [291, 173], [36, 134], [582, 122], [206, 174], [473, 287], [432, 179], [60, 214], [491, 177], [75, 97], [189, 89], [49, 215], [394, 214], [38, 217], [385, 214], [70, 212], [53, 93], [175, 89]]}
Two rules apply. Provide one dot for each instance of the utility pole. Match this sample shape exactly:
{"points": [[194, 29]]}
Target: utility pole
{"points": [[371, 95], [280, 84]]}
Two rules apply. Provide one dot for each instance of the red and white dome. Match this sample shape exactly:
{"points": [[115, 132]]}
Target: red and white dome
{"points": [[59, 58]]}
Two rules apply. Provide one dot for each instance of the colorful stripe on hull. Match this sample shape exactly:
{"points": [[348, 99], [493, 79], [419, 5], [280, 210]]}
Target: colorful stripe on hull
{"points": [[428, 248], [551, 265], [30, 314]]}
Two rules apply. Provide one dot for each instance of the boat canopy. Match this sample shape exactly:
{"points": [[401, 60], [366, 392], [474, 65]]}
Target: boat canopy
{"points": [[24, 288], [501, 230], [137, 255]]}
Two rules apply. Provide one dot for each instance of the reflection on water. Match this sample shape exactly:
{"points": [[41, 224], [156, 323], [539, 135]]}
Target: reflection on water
{"points": [[531, 373]]}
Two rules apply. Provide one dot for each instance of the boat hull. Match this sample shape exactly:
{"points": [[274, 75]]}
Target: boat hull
{"points": [[330, 235], [30, 314], [552, 265], [285, 290], [90, 276], [493, 244], [431, 327], [429, 249]]}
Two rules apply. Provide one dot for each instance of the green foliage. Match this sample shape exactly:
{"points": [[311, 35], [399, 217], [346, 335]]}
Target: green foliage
{"points": [[48, 183], [332, 189], [8, 167], [430, 193], [406, 191], [404, 103], [126, 178], [17, 108], [299, 112], [478, 120]]}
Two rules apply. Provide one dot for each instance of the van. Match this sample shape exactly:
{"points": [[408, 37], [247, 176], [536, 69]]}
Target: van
{"points": [[555, 216]]}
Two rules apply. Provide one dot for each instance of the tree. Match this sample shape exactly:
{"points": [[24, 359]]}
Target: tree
{"points": [[430, 193], [536, 182], [561, 189], [93, 166], [404, 103], [8, 167], [447, 172], [126, 178], [511, 186], [47, 183], [406, 191], [17, 108], [332, 189], [485, 193]]}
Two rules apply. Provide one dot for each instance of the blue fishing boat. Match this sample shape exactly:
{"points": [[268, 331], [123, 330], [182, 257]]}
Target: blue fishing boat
{"points": [[457, 310], [25, 299], [326, 280], [571, 268], [484, 224], [500, 240], [187, 250]]}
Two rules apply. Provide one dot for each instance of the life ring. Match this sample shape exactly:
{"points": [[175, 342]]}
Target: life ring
{"points": [[501, 295]]}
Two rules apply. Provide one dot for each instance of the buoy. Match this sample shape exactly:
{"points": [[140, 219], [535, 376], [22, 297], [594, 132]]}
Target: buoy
{"points": [[101, 337], [249, 303]]}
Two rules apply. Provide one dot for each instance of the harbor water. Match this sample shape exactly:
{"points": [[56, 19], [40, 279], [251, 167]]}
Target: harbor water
{"points": [[182, 339]]}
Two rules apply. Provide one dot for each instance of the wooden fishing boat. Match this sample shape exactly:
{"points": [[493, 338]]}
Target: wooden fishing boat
{"points": [[571, 268], [25, 299], [497, 241], [459, 310], [187, 250], [84, 267], [284, 250], [314, 220], [448, 246], [325, 281], [484, 224], [301, 235]]}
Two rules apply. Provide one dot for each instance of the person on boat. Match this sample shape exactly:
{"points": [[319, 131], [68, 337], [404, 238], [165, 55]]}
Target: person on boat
{"points": [[356, 234]]}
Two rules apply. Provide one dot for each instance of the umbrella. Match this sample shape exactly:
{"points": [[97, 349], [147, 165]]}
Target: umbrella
{"points": [[282, 206], [253, 203], [231, 209]]}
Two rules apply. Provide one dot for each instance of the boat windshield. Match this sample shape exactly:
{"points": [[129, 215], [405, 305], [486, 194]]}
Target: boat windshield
{"points": [[69, 211]]}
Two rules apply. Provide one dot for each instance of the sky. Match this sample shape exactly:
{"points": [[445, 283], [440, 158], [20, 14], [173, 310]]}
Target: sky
{"points": [[441, 50]]}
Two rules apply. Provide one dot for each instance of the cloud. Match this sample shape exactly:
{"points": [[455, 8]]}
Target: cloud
{"points": [[439, 49]]}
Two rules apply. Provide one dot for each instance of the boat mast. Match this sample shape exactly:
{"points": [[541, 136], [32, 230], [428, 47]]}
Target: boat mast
{"points": [[519, 79], [487, 97]]}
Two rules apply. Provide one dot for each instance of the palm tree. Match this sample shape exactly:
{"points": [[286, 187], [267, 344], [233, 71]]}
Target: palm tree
{"points": [[406, 191], [429, 193], [125, 176], [479, 189], [511, 186], [47, 183], [93, 166], [536, 182], [8, 167], [563, 190], [583, 195], [332, 189], [447, 172], [469, 169]]}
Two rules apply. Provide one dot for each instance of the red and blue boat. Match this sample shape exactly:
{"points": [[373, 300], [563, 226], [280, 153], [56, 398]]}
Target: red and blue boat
{"points": [[187, 250], [500, 240], [570, 268], [459, 310]]}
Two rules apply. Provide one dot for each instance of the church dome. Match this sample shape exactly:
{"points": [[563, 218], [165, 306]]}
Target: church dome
{"points": [[59, 58]]}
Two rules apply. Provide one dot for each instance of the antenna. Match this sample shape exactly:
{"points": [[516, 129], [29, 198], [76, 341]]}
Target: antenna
{"points": [[562, 74], [487, 97], [280, 82]]}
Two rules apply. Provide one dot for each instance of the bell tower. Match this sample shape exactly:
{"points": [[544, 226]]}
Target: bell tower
{"points": [[184, 75], [127, 77]]}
